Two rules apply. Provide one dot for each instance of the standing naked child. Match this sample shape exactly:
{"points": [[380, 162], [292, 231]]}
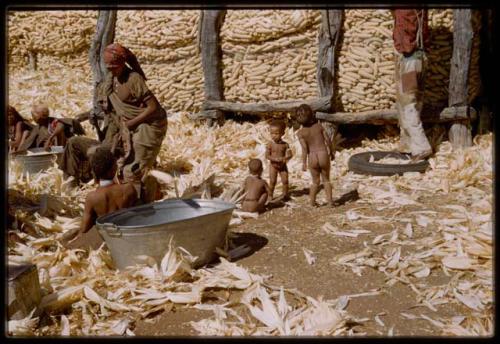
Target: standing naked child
{"points": [[255, 188], [317, 147], [108, 197], [278, 153]]}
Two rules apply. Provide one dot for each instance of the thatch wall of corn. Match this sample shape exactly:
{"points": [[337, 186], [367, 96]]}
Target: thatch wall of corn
{"points": [[267, 54]]}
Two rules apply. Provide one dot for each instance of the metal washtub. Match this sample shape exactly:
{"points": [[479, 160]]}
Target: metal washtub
{"points": [[198, 225], [35, 163]]}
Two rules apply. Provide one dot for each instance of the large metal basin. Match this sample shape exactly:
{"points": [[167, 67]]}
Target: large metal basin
{"points": [[198, 225], [35, 163]]}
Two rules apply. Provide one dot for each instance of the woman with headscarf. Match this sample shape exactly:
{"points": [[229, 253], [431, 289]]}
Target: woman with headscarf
{"points": [[143, 122], [19, 128]]}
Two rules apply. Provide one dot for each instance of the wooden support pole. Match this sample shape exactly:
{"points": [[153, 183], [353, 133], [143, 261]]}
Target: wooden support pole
{"points": [[390, 116], [317, 104], [460, 134], [105, 34], [211, 58], [331, 25]]}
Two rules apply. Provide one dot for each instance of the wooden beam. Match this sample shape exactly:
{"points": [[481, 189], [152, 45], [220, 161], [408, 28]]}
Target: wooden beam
{"points": [[390, 116], [317, 104], [211, 55], [460, 132]]}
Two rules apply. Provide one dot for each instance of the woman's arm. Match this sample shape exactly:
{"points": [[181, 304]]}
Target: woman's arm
{"points": [[151, 106]]}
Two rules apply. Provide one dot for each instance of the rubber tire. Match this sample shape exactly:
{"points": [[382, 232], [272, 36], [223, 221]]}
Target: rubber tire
{"points": [[359, 163]]}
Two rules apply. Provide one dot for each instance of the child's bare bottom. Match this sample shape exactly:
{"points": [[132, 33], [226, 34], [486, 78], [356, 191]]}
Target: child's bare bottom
{"points": [[254, 206], [319, 166], [273, 177]]}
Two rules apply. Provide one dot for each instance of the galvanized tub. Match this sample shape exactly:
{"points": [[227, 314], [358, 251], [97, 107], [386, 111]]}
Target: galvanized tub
{"points": [[35, 163], [198, 225]]}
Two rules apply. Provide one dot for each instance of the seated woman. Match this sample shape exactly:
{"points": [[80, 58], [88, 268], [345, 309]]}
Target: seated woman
{"points": [[78, 150], [143, 122], [49, 130], [19, 128]]}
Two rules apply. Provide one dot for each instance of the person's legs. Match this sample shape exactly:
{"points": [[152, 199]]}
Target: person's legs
{"points": [[284, 181], [261, 203], [273, 176], [146, 144], [409, 75], [75, 161], [324, 164], [314, 168]]}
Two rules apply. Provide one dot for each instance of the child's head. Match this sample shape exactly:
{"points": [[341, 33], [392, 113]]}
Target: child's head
{"points": [[304, 114], [277, 129], [103, 163], [40, 112], [255, 166]]}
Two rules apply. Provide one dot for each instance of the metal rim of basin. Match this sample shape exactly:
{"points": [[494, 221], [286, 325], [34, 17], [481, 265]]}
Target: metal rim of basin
{"points": [[106, 220]]}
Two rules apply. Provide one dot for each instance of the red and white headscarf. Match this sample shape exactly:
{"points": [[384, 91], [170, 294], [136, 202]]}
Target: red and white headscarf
{"points": [[116, 54]]}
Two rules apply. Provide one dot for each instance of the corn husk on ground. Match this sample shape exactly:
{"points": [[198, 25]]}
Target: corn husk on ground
{"points": [[454, 238]]}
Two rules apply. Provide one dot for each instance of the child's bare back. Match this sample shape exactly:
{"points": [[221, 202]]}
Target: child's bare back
{"points": [[255, 188], [316, 151], [111, 198]]}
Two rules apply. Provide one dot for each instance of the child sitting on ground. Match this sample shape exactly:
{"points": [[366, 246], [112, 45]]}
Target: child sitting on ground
{"points": [[316, 146], [278, 153], [255, 188], [108, 197]]}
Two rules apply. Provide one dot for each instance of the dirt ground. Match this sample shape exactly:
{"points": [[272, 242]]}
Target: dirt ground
{"points": [[277, 238]]}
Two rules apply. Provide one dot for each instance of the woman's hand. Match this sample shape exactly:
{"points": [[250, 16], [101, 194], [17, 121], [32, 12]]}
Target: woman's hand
{"points": [[130, 124]]}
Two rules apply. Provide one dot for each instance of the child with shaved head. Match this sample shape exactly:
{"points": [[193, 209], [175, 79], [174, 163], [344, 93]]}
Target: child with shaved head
{"points": [[255, 188]]}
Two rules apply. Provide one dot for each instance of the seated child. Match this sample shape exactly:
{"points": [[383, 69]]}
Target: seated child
{"points": [[278, 153], [256, 189], [109, 196], [19, 128], [316, 146]]}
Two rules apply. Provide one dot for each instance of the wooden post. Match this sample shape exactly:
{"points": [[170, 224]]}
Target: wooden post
{"points": [[211, 58], [331, 24], [105, 34], [460, 132]]}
